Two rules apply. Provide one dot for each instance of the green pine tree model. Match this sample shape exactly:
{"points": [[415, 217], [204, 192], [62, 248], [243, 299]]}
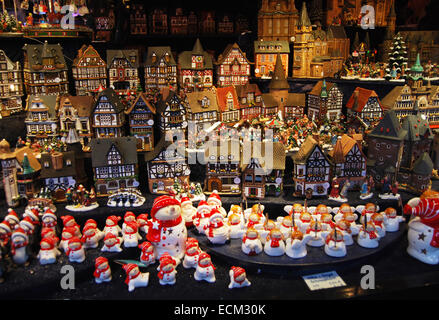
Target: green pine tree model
{"points": [[397, 58]]}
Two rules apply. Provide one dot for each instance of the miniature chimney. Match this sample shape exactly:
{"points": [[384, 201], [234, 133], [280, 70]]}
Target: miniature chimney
{"points": [[57, 160]]}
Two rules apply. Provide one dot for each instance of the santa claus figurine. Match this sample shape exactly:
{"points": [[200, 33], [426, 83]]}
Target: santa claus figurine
{"points": [[5, 233], [135, 278], [12, 218], [192, 253], [202, 217], [147, 255], [166, 229], [128, 217], [368, 236], [334, 244], [214, 201], [188, 211], [392, 220], [48, 251], [102, 271], [111, 243], [296, 244], [90, 237], [166, 270], [69, 221], [315, 230], [111, 225], [236, 225], [238, 278], [66, 235], [75, 251], [49, 220], [251, 244], [205, 269], [217, 231], [131, 236], [142, 222], [19, 247], [274, 244]]}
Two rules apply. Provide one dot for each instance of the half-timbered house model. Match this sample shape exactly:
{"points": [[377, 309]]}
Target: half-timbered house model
{"points": [[223, 172], [311, 170], [123, 68], [74, 113], [11, 86], [171, 111], [179, 22], [366, 105], [89, 71], [195, 68], [202, 108], [115, 164], [138, 19], [108, 116], [192, 23], [348, 160], [41, 119], [385, 147], [274, 177], [228, 104], [159, 22], [225, 24], [207, 23], [141, 122], [325, 101], [160, 68], [166, 164], [265, 57], [250, 101], [232, 67], [44, 70]]}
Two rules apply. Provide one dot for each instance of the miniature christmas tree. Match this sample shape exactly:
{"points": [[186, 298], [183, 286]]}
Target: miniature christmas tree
{"points": [[397, 58]]}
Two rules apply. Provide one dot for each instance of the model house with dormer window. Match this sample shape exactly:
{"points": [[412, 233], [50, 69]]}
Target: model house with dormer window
{"points": [[41, 119], [265, 57], [108, 116], [250, 101], [202, 108], [366, 105], [123, 68], [171, 111], [232, 67], [160, 68], [11, 86], [324, 101]]}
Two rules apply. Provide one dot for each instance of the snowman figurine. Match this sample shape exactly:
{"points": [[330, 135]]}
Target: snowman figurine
{"points": [[217, 232], [142, 222], [90, 237], [49, 220], [334, 244], [202, 217], [368, 237], [315, 230], [296, 244], [75, 251], [48, 251], [93, 223], [69, 222], [128, 217], [111, 225], [214, 201], [238, 278], [12, 218], [392, 220], [274, 245], [147, 255], [49, 233], [251, 244], [111, 243], [166, 270], [102, 271], [205, 269], [131, 236], [66, 235], [135, 279], [188, 211], [167, 230], [5, 233], [19, 247], [236, 225], [192, 254]]}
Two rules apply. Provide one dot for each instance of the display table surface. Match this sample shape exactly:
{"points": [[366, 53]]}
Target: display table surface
{"points": [[396, 272]]}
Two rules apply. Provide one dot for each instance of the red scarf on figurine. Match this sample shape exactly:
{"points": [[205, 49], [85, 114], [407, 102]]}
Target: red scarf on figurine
{"points": [[146, 256], [161, 273], [275, 242], [69, 251], [213, 226], [155, 228], [85, 238], [14, 246], [245, 238], [112, 245], [435, 239], [129, 278], [98, 272]]}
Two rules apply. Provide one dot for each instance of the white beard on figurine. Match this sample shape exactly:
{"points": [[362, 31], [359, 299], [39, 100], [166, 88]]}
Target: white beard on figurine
{"points": [[317, 236], [48, 251], [131, 236], [188, 211], [392, 220], [334, 244], [135, 278], [90, 237], [167, 230], [205, 269], [202, 217], [147, 255], [368, 237], [236, 224], [217, 231], [274, 245], [111, 226], [296, 244], [166, 270], [75, 251], [238, 278], [251, 244], [214, 201], [111, 243], [192, 254], [102, 271]]}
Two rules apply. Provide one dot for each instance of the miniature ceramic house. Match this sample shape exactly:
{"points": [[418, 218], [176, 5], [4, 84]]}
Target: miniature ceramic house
{"points": [[271, 13], [366, 105], [114, 162], [108, 115], [228, 104], [274, 177], [164, 165], [294, 106], [417, 179], [207, 22], [265, 57], [225, 24], [45, 70], [311, 169], [325, 101], [159, 22], [138, 20], [41, 120], [105, 22], [89, 71], [171, 110], [141, 121], [11, 86], [195, 68], [232, 67], [160, 68], [223, 171], [179, 22], [348, 160], [123, 68], [250, 101], [74, 113], [202, 108]]}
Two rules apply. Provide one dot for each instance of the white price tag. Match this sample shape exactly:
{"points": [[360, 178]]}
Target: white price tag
{"points": [[324, 280]]}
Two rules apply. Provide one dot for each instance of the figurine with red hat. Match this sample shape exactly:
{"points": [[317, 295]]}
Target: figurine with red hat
{"points": [[69, 221], [12, 218], [102, 271], [131, 236], [135, 278], [205, 269], [5, 232], [112, 243], [192, 253], [128, 217], [142, 222], [33, 214], [217, 231], [202, 217], [90, 236], [111, 225], [238, 278], [66, 235], [75, 251], [93, 223], [167, 230], [49, 220], [251, 243], [19, 247], [166, 270], [49, 233], [214, 201], [48, 251], [147, 255], [27, 225], [188, 211]]}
